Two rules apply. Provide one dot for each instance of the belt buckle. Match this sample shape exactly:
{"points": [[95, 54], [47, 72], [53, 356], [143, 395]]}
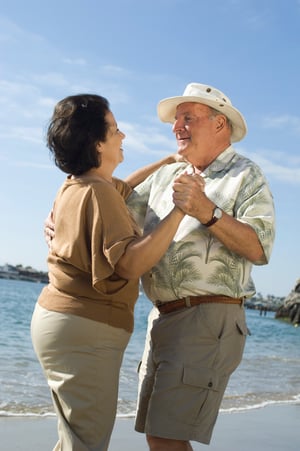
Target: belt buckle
{"points": [[187, 301]]}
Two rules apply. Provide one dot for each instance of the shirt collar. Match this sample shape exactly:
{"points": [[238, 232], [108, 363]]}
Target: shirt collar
{"points": [[219, 163]]}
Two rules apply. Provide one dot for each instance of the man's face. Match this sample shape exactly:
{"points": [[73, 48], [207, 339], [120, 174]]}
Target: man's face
{"points": [[194, 128]]}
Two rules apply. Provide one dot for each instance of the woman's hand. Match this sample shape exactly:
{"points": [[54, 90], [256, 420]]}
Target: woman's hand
{"points": [[49, 231]]}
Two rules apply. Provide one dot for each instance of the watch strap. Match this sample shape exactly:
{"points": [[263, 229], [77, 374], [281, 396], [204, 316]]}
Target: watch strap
{"points": [[213, 220]]}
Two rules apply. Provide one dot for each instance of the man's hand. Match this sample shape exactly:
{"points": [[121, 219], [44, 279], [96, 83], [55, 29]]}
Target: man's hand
{"points": [[49, 229], [189, 195]]}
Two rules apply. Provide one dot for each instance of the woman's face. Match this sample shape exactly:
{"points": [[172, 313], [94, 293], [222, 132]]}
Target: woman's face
{"points": [[111, 149]]}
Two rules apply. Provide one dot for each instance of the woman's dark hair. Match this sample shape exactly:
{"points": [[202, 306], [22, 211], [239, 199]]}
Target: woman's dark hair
{"points": [[77, 125]]}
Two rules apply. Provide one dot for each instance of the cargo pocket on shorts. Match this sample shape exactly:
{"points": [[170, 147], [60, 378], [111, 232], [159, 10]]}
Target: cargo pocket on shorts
{"points": [[205, 378], [202, 386]]}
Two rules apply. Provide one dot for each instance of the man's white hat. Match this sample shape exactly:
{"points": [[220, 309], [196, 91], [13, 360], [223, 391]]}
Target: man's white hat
{"points": [[207, 95]]}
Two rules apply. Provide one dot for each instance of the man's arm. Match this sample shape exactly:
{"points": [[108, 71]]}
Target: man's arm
{"points": [[189, 195], [141, 174]]}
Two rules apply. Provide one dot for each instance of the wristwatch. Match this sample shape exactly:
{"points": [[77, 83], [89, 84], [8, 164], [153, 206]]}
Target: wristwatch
{"points": [[217, 214]]}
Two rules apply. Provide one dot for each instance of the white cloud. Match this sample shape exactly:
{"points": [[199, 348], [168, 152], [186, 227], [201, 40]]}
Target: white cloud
{"points": [[30, 164], [17, 39], [47, 102], [55, 79], [279, 166], [284, 121], [145, 140], [12, 88], [21, 104], [75, 61], [115, 70], [10, 31], [29, 134]]}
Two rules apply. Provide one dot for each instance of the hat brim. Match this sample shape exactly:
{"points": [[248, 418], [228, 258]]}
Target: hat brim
{"points": [[166, 110]]}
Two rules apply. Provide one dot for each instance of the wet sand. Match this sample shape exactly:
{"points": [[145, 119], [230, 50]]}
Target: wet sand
{"points": [[273, 428]]}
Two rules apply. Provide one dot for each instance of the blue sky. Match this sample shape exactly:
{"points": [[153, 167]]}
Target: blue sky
{"points": [[135, 53]]}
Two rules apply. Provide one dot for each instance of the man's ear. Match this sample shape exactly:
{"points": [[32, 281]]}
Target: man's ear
{"points": [[220, 122]]}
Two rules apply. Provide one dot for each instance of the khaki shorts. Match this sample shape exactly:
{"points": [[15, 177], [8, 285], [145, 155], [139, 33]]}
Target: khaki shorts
{"points": [[188, 358]]}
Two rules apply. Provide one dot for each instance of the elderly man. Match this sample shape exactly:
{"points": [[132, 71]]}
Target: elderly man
{"points": [[197, 328]]}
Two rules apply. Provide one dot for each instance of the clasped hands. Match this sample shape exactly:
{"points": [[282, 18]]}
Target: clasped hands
{"points": [[189, 193]]}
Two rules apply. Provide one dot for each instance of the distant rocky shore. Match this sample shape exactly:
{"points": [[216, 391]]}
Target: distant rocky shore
{"points": [[20, 272], [290, 309], [285, 308]]}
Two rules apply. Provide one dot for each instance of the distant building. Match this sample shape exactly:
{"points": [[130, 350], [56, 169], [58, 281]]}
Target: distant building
{"points": [[20, 272]]}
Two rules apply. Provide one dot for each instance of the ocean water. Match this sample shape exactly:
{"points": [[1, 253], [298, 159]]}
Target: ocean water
{"points": [[268, 374]]}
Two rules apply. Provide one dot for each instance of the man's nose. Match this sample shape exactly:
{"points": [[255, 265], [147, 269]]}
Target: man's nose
{"points": [[177, 126]]}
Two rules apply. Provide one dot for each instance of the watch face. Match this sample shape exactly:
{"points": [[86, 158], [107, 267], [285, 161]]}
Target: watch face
{"points": [[218, 213]]}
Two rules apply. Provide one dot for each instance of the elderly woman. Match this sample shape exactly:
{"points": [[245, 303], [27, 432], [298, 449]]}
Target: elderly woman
{"points": [[84, 318]]}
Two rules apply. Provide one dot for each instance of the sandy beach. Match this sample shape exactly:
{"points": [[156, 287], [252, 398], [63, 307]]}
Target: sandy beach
{"points": [[273, 428]]}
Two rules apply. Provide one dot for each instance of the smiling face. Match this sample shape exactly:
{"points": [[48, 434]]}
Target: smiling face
{"points": [[111, 149], [196, 131]]}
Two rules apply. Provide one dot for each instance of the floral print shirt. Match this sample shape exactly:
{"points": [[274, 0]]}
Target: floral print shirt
{"points": [[196, 262]]}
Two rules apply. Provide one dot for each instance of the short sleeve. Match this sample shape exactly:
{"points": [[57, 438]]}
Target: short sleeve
{"points": [[122, 187], [256, 208], [112, 229]]}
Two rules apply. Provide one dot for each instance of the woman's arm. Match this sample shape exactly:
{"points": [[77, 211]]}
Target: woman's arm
{"points": [[133, 180], [143, 253], [141, 174]]}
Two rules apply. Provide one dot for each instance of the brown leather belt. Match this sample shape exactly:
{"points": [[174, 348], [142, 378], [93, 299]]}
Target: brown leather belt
{"points": [[191, 301]]}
